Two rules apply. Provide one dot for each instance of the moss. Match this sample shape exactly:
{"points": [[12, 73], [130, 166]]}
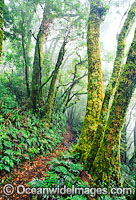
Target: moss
{"points": [[111, 85], [38, 58], [95, 84], [107, 161]]}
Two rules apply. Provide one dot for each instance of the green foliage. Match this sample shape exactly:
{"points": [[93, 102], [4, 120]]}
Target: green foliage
{"points": [[128, 175], [7, 100], [64, 172], [14, 86], [22, 136], [76, 197], [110, 197], [107, 197]]}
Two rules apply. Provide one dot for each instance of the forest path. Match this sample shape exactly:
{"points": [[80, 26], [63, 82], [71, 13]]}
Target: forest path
{"points": [[28, 170]]}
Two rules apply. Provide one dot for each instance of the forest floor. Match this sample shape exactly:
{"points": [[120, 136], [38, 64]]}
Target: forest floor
{"points": [[37, 167]]}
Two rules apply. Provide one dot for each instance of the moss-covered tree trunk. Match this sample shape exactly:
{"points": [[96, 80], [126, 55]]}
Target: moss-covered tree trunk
{"points": [[95, 84], [113, 81], [107, 162], [49, 103], [38, 57], [1, 25]]}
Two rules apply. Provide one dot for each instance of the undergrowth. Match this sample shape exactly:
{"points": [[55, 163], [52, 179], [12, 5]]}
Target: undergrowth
{"points": [[24, 135], [64, 173]]}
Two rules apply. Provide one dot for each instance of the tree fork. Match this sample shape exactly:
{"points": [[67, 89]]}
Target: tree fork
{"points": [[107, 162], [113, 81]]}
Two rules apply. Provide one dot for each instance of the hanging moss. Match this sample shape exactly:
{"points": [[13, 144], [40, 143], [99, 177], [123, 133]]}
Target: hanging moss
{"points": [[112, 83], [95, 84], [107, 162], [1, 25]]}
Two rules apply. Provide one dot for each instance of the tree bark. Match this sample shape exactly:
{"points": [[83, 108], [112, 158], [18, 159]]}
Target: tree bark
{"points": [[48, 106], [38, 57], [95, 84], [107, 163], [113, 81]]}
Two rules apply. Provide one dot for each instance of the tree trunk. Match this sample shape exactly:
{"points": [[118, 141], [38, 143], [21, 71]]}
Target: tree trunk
{"points": [[95, 84], [48, 106], [38, 58], [113, 81], [107, 163], [1, 26], [26, 67]]}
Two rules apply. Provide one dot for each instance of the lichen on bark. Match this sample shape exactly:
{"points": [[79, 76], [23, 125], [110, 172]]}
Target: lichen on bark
{"points": [[106, 163], [95, 84], [112, 84]]}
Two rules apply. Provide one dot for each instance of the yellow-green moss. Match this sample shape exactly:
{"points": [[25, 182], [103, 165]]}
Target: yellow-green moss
{"points": [[95, 84], [107, 161], [111, 85]]}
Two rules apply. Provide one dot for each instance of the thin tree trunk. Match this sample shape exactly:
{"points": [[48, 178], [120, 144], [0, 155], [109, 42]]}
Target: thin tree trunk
{"points": [[26, 67], [38, 57], [107, 162], [48, 106]]}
